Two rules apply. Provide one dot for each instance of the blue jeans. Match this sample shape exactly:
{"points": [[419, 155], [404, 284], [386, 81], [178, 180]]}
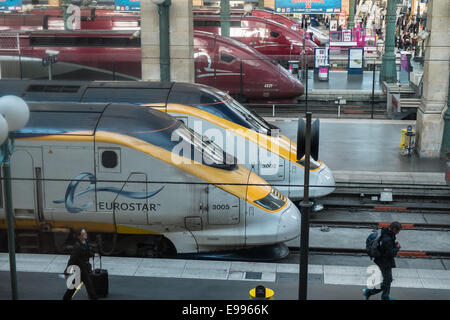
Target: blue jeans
{"points": [[385, 285]]}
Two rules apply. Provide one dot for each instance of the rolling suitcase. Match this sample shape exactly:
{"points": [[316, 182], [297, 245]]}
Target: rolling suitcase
{"points": [[100, 280]]}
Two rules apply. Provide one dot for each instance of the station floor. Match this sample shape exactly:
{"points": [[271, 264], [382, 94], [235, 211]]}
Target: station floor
{"points": [[349, 145], [175, 279], [341, 80]]}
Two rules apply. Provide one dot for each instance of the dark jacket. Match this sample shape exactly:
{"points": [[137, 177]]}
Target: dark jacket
{"points": [[80, 257], [388, 249]]}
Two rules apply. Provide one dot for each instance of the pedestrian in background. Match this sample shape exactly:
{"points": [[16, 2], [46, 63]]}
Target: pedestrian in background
{"points": [[388, 247]]}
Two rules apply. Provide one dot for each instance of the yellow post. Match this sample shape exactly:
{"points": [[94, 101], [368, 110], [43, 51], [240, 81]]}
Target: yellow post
{"points": [[255, 293], [403, 139]]}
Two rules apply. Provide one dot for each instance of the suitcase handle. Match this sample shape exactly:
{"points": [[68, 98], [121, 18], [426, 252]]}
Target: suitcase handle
{"points": [[93, 260]]}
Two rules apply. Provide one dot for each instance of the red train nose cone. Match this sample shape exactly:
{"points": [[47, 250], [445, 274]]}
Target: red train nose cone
{"points": [[289, 85]]}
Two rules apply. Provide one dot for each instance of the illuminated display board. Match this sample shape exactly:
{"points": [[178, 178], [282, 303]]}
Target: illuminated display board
{"points": [[308, 6], [127, 5], [10, 5]]}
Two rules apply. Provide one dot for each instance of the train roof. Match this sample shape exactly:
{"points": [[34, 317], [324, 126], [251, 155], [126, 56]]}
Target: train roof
{"points": [[88, 91], [85, 119], [199, 96]]}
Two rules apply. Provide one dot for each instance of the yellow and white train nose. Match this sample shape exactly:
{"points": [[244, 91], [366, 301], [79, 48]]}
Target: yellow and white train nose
{"points": [[289, 225], [324, 183]]}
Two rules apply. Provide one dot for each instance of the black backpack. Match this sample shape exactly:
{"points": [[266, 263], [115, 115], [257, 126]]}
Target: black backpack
{"points": [[373, 244]]}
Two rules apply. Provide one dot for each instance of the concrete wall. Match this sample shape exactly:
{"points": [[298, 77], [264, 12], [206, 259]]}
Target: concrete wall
{"points": [[430, 122], [181, 41]]}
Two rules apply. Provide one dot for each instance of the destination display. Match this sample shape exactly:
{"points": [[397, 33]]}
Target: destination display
{"points": [[10, 5], [127, 5], [308, 6]]}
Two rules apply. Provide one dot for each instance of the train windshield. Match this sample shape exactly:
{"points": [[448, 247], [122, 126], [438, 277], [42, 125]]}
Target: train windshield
{"points": [[251, 119], [159, 129], [204, 150]]}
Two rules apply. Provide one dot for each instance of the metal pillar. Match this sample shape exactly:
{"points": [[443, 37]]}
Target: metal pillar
{"points": [[388, 71], [351, 15], [446, 136], [305, 208], [225, 18], [261, 4], [164, 40], [9, 218]]}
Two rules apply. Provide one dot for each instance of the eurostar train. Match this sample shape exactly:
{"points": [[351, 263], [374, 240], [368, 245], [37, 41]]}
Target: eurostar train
{"points": [[142, 175], [208, 111]]}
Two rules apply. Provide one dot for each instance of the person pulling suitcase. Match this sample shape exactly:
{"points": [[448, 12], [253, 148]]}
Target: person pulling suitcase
{"points": [[80, 258]]}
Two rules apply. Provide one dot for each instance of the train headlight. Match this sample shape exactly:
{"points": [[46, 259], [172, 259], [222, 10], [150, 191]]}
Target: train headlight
{"points": [[273, 201]]}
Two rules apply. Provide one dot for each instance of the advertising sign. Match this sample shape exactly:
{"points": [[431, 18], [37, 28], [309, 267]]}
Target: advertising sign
{"points": [[355, 60], [10, 5], [127, 5], [308, 6]]}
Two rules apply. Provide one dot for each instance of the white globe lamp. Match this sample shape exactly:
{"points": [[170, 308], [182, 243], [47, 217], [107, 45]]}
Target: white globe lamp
{"points": [[15, 111]]}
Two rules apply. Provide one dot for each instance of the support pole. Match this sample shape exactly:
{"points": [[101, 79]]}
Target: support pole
{"points": [[305, 207], [445, 148], [9, 219], [305, 63], [351, 15], [388, 68], [261, 4], [164, 40], [225, 18], [373, 87]]}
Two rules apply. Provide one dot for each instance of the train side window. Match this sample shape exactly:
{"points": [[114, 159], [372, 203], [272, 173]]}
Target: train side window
{"points": [[274, 34], [109, 159], [236, 24], [228, 58]]}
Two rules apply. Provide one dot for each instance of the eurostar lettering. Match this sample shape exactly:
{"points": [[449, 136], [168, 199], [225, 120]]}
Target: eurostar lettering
{"points": [[124, 206]]}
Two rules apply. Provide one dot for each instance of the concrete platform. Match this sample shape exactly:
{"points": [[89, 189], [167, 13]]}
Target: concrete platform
{"points": [[206, 280], [352, 238], [367, 151], [340, 84], [375, 217]]}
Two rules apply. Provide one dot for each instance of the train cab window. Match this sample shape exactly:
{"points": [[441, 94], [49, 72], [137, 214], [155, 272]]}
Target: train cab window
{"points": [[228, 58], [235, 24], [109, 160], [274, 34]]}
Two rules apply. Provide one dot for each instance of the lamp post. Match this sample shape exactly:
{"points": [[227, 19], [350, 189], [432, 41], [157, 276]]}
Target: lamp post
{"points": [[164, 38], [351, 15], [388, 71], [225, 18], [305, 209], [14, 116]]}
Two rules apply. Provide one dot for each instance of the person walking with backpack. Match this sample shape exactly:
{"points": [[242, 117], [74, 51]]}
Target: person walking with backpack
{"points": [[388, 248]]}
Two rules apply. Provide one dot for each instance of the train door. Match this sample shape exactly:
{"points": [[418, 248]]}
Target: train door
{"points": [[271, 166], [204, 61], [225, 223], [69, 185], [26, 167], [223, 207], [228, 70], [121, 189]]}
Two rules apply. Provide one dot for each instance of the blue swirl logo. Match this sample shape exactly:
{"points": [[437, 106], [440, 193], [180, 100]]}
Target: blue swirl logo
{"points": [[71, 194]]}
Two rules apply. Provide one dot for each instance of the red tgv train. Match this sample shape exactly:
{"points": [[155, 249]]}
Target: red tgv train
{"points": [[318, 37], [266, 36], [219, 62]]}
